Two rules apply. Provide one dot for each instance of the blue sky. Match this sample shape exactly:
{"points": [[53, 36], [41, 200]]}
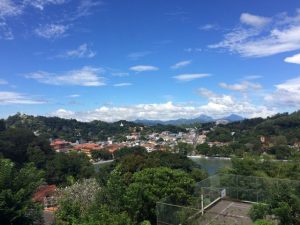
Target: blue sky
{"points": [[142, 59]]}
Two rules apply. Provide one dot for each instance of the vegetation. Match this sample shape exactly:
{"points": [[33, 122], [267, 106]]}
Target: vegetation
{"points": [[72, 130], [16, 189], [125, 191], [283, 200]]}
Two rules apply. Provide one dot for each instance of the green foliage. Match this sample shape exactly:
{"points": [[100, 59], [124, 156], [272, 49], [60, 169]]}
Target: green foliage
{"points": [[16, 190], [259, 211], [203, 149], [101, 155], [198, 174], [222, 134], [130, 150], [19, 144], [153, 184], [76, 199], [80, 205], [72, 130], [64, 165], [102, 215], [184, 148], [284, 199], [263, 222]]}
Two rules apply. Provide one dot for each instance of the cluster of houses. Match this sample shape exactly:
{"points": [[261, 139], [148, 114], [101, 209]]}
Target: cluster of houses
{"points": [[151, 142]]}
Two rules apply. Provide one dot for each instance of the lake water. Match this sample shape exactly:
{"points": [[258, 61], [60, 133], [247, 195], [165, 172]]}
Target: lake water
{"points": [[212, 165]]}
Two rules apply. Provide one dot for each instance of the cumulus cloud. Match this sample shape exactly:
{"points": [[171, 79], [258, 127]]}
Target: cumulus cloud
{"points": [[122, 84], [83, 51], [254, 20], [281, 35], [220, 104], [7, 98], [143, 68], [217, 106], [181, 64], [190, 77], [286, 94], [51, 31], [293, 59], [86, 76], [242, 87]]}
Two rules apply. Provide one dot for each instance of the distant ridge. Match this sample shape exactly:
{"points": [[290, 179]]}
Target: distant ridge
{"points": [[200, 119]]}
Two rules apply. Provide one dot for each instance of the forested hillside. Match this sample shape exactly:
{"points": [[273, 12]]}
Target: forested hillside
{"points": [[72, 130], [278, 135]]}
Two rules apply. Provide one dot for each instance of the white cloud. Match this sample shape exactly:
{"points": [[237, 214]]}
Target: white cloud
{"points": [[242, 87], [8, 8], [3, 82], [143, 68], [83, 51], [63, 113], [52, 31], [208, 27], [73, 96], [286, 94], [293, 59], [252, 77], [138, 55], [217, 106], [87, 76], [190, 50], [122, 84], [85, 8], [283, 35], [7, 98], [226, 104], [181, 64], [254, 20], [120, 74], [190, 77], [40, 4]]}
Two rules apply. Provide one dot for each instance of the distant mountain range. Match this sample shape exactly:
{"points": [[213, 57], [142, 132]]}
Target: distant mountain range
{"points": [[199, 119]]}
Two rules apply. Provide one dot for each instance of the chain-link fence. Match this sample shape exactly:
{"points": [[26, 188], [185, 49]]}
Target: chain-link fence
{"points": [[224, 199]]}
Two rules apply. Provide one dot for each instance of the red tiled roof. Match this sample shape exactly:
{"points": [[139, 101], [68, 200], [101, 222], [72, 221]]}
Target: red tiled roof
{"points": [[44, 191], [88, 146]]}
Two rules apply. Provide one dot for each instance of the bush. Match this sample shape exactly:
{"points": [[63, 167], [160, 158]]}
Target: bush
{"points": [[263, 222], [258, 211]]}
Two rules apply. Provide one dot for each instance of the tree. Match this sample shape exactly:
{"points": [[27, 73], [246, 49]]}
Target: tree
{"points": [[76, 199], [184, 148], [130, 150], [16, 190], [203, 149], [79, 204], [153, 184], [73, 164], [101, 155]]}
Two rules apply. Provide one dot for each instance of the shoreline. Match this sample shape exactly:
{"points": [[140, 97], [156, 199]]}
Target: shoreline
{"points": [[208, 157]]}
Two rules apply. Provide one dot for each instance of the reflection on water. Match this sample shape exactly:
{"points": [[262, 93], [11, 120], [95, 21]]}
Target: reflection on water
{"points": [[212, 165]]}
